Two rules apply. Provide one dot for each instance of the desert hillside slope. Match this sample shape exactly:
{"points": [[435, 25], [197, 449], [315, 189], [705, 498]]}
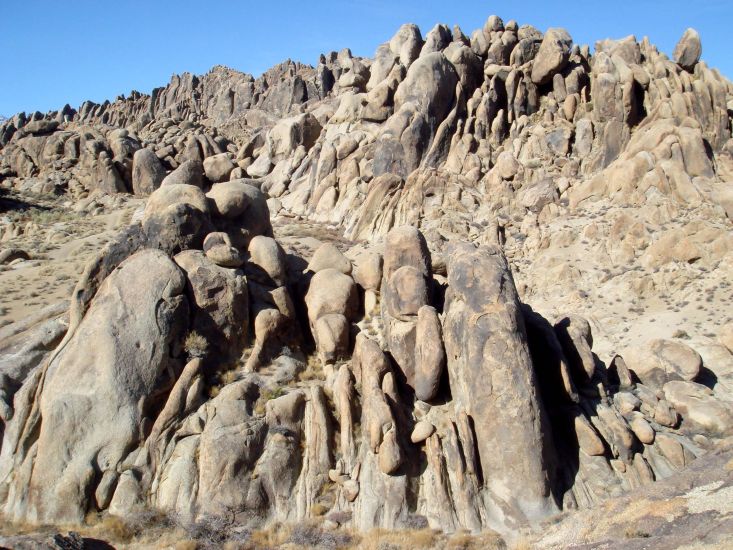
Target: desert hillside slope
{"points": [[472, 284]]}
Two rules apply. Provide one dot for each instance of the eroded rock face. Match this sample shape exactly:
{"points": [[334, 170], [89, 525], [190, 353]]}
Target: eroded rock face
{"points": [[147, 172], [492, 377], [85, 432], [219, 304], [398, 376]]}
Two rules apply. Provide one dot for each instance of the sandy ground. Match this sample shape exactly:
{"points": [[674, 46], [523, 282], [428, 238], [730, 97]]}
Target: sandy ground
{"points": [[60, 242]]}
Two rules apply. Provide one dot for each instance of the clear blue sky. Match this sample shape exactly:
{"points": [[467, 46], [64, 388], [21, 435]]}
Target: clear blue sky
{"points": [[54, 52]]}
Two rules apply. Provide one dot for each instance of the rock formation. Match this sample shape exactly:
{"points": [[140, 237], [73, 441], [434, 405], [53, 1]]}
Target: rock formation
{"points": [[439, 359]]}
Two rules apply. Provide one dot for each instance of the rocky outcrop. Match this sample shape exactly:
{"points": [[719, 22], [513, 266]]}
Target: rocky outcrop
{"points": [[213, 365]]}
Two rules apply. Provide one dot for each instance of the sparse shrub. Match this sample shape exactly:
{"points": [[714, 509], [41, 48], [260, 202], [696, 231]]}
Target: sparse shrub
{"points": [[311, 535], [195, 345], [634, 533]]}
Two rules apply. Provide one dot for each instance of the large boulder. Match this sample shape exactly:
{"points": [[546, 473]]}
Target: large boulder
{"points": [[99, 388], [492, 379], [660, 361], [331, 291], [406, 44], [240, 210], [147, 172], [405, 293], [406, 246], [700, 409], [430, 85], [328, 256], [190, 172], [266, 262], [552, 56], [688, 50], [176, 217], [219, 304], [429, 354], [290, 133], [218, 167]]}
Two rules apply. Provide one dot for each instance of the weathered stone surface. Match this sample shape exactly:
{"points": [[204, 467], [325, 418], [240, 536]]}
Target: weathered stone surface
{"points": [[218, 167], [115, 374], [176, 218], [620, 158], [552, 55], [660, 361], [698, 407], [328, 256], [190, 172], [406, 246], [240, 210], [331, 291], [405, 293], [492, 377], [688, 50], [331, 332], [147, 172], [429, 85], [588, 439], [218, 248], [219, 303], [266, 263], [422, 431], [429, 354]]}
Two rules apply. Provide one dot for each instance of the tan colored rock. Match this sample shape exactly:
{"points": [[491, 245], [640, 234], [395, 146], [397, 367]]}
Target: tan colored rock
{"points": [[422, 431], [552, 56], [588, 439], [328, 256], [331, 332], [368, 270], [390, 454], [665, 414], [114, 373], [147, 172], [641, 428], [190, 172], [266, 263], [218, 248], [429, 354], [699, 408], [575, 336], [351, 490], [660, 361], [406, 246], [405, 293], [240, 210], [219, 303], [688, 50], [218, 167], [331, 291], [492, 376]]}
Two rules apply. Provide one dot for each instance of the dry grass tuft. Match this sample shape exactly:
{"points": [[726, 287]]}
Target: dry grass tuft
{"points": [[265, 396], [313, 369], [272, 537]]}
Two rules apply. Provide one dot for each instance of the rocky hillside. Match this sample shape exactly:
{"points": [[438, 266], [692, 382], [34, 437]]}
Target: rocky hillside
{"points": [[469, 284]]}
